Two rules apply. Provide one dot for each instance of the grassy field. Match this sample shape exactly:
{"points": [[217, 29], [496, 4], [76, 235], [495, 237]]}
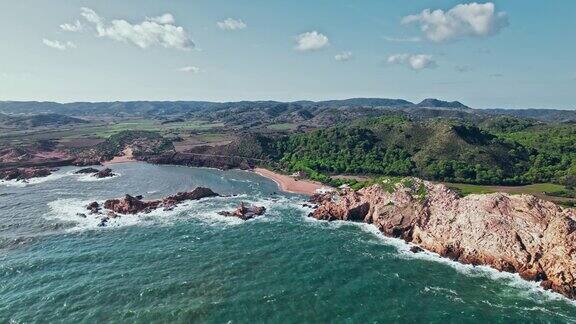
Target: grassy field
{"points": [[283, 127], [538, 188], [154, 125], [544, 191], [102, 130]]}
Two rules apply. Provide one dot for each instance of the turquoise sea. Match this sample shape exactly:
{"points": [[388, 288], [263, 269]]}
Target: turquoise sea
{"points": [[191, 265]]}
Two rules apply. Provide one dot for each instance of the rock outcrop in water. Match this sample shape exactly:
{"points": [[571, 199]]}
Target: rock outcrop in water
{"points": [[245, 212], [87, 171], [523, 234], [104, 173], [135, 205], [94, 207], [22, 174]]}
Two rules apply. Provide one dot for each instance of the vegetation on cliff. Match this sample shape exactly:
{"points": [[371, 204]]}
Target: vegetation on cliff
{"points": [[396, 146], [140, 142], [502, 150]]}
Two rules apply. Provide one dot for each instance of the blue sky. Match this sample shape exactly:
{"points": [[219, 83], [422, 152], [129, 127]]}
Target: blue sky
{"points": [[512, 53]]}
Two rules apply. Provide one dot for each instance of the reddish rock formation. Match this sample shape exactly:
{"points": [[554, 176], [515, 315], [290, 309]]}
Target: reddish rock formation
{"points": [[133, 205], [245, 212], [24, 173], [521, 233]]}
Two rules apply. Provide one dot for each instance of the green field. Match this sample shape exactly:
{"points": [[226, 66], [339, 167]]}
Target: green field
{"points": [[283, 127], [102, 130], [547, 191], [538, 188]]}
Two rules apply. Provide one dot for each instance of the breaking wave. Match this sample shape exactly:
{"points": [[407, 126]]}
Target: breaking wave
{"points": [[529, 289]]}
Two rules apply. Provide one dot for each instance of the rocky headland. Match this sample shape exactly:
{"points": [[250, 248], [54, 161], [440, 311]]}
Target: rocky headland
{"points": [[513, 233]]}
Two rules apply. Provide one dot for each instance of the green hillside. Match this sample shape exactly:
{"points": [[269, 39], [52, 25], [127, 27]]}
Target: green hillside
{"points": [[438, 150]]}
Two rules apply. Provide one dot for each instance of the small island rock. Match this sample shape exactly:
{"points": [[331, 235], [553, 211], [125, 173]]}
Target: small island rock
{"points": [[104, 173], [87, 171], [245, 212]]}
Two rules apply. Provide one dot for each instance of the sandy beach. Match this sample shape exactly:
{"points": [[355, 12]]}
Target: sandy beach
{"points": [[289, 184], [125, 158]]}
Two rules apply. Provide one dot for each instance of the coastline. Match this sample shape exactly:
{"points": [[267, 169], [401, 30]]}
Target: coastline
{"points": [[289, 184], [127, 157]]}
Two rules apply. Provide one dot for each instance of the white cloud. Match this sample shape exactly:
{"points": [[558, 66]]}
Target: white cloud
{"points": [[472, 20], [75, 27], [403, 40], [413, 61], [344, 56], [231, 24], [164, 19], [62, 46], [189, 69], [158, 31], [311, 41]]}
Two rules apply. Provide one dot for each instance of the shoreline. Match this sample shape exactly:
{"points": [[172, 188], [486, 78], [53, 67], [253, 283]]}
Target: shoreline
{"points": [[289, 184], [126, 157], [119, 160]]}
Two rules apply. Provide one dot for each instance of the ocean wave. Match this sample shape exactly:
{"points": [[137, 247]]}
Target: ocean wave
{"points": [[527, 289], [89, 177], [238, 180], [33, 181], [71, 211], [92, 178], [205, 210]]}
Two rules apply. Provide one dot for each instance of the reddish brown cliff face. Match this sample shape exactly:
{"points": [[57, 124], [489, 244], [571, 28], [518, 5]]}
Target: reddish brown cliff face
{"points": [[520, 233]]}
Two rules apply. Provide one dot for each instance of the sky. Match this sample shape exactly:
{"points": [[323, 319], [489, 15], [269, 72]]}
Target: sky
{"points": [[499, 54]]}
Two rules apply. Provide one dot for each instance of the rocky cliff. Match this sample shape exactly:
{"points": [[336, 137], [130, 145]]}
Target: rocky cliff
{"points": [[520, 233]]}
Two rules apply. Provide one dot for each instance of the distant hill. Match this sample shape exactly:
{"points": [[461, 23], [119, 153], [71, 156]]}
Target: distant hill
{"points": [[254, 113], [38, 120], [545, 115], [435, 103], [365, 102], [397, 146]]}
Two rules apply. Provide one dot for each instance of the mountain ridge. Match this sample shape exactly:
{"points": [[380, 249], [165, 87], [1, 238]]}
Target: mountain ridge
{"points": [[303, 108]]}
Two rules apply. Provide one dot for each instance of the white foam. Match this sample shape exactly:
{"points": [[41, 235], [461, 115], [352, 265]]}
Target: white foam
{"points": [[68, 210], [33, 181], [93, 178], [90, 177], [204, 210], [240, 180], [529, 289]]}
